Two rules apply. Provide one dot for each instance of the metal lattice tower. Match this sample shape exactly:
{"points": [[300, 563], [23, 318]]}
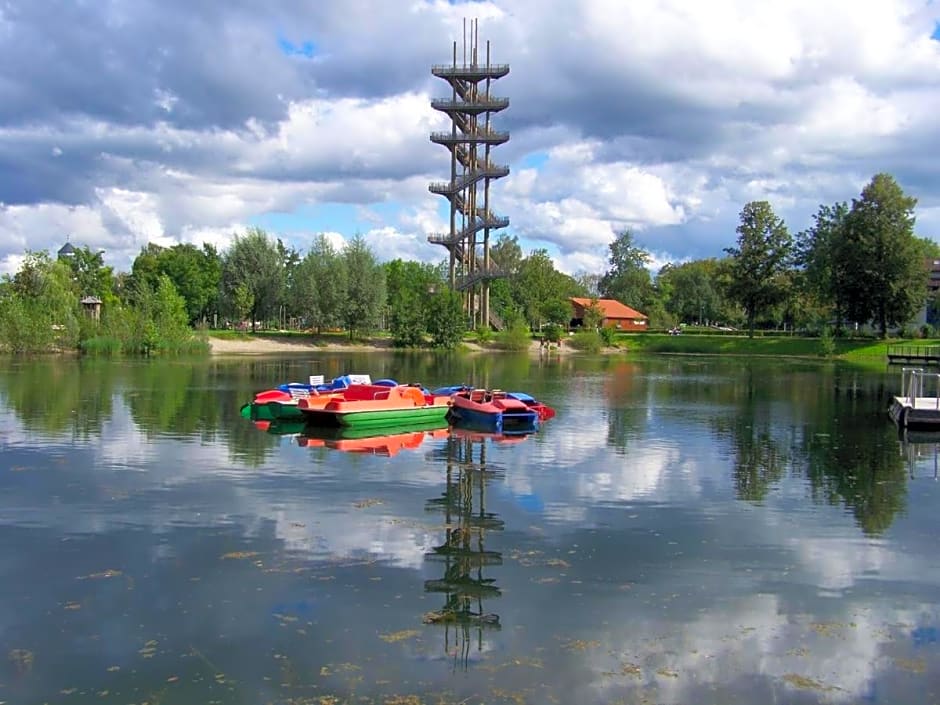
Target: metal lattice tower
{"points": [[470, 141]]}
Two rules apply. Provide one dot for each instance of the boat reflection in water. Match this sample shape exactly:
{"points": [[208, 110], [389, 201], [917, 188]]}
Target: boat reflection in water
{"points": [[381, 441], [463, 554], [374, 441]]}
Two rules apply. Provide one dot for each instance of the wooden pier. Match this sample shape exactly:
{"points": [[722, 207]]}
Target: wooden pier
{"points": [[918, 405], [914, 354]]}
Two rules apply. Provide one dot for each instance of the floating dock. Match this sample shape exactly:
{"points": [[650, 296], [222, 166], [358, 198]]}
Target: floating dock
{"points": [[916, 407]]}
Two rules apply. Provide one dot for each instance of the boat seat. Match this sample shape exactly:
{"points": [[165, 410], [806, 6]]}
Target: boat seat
{"points": [[478, 395]]}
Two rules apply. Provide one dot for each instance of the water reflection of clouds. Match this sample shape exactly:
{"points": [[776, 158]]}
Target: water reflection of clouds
{"points": [[314, 515], [757, 615], [748, 638], [162, 483]]}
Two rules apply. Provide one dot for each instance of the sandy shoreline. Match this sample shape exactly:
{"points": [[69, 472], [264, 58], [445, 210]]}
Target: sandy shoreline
{"points": [[271, 346]]}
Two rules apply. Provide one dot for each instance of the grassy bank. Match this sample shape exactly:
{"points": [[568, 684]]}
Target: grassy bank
{"points": [[850, 349]]}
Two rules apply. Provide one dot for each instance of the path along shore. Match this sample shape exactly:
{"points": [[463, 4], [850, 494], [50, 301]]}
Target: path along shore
{"points": [[265, 345]]}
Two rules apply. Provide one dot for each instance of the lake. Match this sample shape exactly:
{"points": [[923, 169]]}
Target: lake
{"points": [[685, 530]]}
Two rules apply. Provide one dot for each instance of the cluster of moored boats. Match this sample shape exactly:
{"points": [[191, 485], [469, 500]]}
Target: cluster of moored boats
{"points": [[357, 402]]}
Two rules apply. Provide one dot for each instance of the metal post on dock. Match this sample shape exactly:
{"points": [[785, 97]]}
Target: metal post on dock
{"points": [[911, 384]]}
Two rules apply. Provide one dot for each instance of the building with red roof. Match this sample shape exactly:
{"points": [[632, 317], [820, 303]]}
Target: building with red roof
{"points": [[615, 314]]}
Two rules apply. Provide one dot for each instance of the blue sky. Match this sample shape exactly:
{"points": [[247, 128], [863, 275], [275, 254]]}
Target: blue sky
{"points": [[166, 122]]}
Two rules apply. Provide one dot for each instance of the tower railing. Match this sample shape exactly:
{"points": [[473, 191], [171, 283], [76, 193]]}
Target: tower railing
{"points": [[483, 135], [486, 171], [480, 104], [472, 71]]}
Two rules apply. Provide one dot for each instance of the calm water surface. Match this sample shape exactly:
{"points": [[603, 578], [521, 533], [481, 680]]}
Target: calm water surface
{"points": [[686, 530]]}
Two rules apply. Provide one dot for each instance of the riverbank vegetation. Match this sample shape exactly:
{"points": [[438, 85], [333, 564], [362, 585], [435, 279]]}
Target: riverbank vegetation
{"points": [[859, 349], [857, 272]]}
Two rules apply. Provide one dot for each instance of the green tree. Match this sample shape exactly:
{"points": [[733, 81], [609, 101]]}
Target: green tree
{"points": [[319, 286], [39, 309], [408, 318], [288, 305], [243, 301], [888, 274], [689, 292], [823, 273], [90, 274], [506, 254], [411, 287], [929, 248], [169, 315], [760, 261], [541, 291], [195, 272], [365, 287], [628, 280], [446, 319], [593, 315], [255, 262]]}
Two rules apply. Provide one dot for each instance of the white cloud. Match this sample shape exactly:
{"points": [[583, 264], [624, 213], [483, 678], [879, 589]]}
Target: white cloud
{"points": [[662, 117]]}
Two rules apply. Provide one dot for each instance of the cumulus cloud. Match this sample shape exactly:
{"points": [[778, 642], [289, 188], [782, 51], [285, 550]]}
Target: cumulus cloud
{"points": [[122, 124]]}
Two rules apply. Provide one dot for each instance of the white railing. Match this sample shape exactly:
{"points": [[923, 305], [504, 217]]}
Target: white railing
{"points": [[915, 384]]}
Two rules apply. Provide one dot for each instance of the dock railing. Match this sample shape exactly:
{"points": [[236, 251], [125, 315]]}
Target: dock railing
{"points": [[914, 386]]}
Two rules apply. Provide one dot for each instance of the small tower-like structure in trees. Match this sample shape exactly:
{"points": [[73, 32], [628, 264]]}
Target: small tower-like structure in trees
{"points": [[470, 141]]}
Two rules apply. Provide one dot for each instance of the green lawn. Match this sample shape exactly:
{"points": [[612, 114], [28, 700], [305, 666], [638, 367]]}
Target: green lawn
{"points": [[849, 349]]}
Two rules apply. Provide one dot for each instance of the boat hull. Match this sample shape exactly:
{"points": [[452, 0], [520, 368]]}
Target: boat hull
{"points": [[492, 411], [377, 418], [366, 406], [271, 410]]}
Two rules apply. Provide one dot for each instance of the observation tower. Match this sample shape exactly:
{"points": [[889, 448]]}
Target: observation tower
{"points": [[470, 141]]}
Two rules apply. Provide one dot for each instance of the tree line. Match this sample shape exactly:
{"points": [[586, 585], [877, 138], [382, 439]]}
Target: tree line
{"points": [[858, 263]]}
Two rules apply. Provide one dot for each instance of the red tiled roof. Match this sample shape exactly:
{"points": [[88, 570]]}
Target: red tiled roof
{"points": [[611, 308]]}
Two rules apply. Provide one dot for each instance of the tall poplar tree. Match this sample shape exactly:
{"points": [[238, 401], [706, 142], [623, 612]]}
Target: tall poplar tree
{"points": [[824, 273], [628, 280], [319, 285], [365, 287], [886, 280], [760, 262], [254, 264]]}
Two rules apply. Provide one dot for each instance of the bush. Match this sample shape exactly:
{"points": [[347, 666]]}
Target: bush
{"points": [[101, 346], [586, 341], [484, 334], [607, 336], [827, 344], [515, 337], [552, 332]]}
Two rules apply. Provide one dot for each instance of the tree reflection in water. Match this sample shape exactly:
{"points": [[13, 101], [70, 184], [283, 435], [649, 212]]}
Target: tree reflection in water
{"points": [[463, 553]]}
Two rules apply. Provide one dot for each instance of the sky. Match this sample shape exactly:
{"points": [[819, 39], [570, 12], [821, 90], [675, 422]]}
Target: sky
{"points": [[124, 122]]}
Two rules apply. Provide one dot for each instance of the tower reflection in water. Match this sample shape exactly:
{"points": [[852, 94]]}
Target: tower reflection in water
{"points": [[463, 554]]}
